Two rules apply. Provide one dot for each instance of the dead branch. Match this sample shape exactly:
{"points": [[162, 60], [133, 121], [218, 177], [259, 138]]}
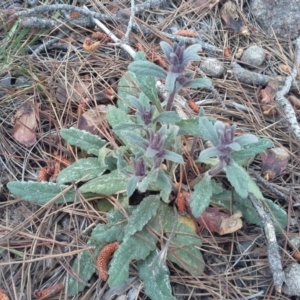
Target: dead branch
{"points": [[283, 102], [273, 248]]}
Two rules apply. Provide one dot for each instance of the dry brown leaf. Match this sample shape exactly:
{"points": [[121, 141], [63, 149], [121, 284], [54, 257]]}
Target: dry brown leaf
{"points": [[25, 125], [274, 162], [89, 46], [217, 221], [187, 33], [231, 17], [76, 92], [231, 224], [92, 118], [268, 93], [294, 101]]}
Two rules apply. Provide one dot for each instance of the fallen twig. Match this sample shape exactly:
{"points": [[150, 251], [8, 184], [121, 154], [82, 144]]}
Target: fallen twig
{"points": [[269, 186], [257, 79], [283, 102], [273, 248]]}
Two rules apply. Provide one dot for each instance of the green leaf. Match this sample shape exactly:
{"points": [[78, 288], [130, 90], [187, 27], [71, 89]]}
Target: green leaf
{"points": [[150, 178], [107, 233], [85, 169], [184, 250], [137, 247], [147, 68], [141, 215], [217, 187], [117, 116], [135, 139], [252, 149], [238, 178], [169, 117], [107, 184], [189, 126], [155, 276], [208, 131], [234, 202], [201, 196], [172, 156], [132, 185], [83, 139], [104, 205], [42, 192], [198, 83], [164, 185], [83, 267]]}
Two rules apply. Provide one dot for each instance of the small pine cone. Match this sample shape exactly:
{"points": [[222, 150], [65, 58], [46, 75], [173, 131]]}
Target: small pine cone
{"points": [[48, 292], [3, 295], [194, 106], [103, 258], [42, 175], [181, 205]]}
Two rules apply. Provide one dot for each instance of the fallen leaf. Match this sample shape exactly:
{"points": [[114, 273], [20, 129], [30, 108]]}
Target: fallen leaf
{"points": [[25, 125], [212, 219], [231, 17], [89, 46], [274, 162], [75, 91], [231, 224], [92, 118]]}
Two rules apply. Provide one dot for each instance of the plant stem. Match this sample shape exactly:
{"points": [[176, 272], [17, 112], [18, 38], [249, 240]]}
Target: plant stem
{"points": [[171, 99]]}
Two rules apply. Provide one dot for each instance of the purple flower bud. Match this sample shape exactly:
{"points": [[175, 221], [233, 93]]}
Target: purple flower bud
{"points": [[139, 167]]}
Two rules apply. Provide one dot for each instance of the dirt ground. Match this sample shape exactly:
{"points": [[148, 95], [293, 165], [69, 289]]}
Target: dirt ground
{"points": [[64, 68]]}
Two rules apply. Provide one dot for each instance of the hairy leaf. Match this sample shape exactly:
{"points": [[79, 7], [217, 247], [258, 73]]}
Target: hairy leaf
{"points": [[198, 83], [85, 169], [252, 149], [208, 131], [201, 196], [83, 139], [155, 276], [170, 117], [42, 192], [189, 126], [164, 185], [83, 267], [141, 215], [107, 184], [138, 246], [238, 178], [184, 250], [147, 68]]}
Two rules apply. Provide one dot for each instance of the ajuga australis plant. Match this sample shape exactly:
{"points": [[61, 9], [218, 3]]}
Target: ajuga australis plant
{"points": [[147, 163]]}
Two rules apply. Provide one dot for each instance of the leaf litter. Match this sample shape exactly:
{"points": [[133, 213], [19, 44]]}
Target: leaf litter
{"points": [[57, 233]]}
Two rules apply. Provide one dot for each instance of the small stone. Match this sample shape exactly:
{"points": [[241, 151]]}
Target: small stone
{"points": [[212, 67], [254, 56], [292, 282]]}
